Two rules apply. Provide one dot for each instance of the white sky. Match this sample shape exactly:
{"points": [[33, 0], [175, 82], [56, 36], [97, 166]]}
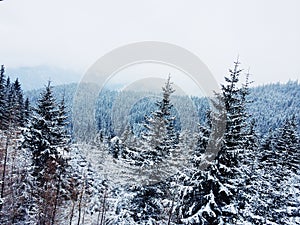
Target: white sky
{"points": [[73, 34]]}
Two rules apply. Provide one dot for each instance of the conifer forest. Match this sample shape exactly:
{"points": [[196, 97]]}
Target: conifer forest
{"points": [[154, 170]]}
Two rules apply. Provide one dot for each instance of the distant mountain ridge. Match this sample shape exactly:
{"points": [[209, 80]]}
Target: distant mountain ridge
{"points": [[37, 77]]}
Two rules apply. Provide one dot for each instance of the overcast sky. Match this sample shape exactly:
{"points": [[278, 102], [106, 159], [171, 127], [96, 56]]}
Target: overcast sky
{"points": [[74, 34]]}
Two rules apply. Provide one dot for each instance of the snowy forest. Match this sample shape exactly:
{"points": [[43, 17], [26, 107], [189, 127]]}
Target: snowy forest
{"points": [[154, 170]]}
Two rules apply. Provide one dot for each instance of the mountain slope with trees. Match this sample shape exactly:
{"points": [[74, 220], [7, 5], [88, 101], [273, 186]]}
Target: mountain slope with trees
{"points": [[237, 164]]}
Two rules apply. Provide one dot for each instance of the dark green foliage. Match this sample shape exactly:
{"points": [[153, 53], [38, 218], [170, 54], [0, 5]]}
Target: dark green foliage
{"points": [[46, 139], [13, 174], [160, 134], [15, 105], [212, 196], [275, 181], [45, 136], [12, 105], [249, 182], [2, 98]]}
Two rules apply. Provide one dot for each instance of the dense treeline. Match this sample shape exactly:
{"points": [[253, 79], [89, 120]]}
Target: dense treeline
{"points": [[270, 105], [14, 114], [247, 181], [39, 179], [14, 110], [230, 167]]}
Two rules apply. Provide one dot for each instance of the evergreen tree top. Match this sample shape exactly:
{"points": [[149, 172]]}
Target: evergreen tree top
{"points": [[46, 104]]}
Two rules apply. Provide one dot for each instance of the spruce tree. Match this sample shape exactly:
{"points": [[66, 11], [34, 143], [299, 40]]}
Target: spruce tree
{"points": [[46, 139], [236, 146], [41, 135], [27, 111], [63, 137], [275, 183], [15, 104], [195, 186], [160, 136], [159, 140], [287, 165], [223, 173], [287, 145], [211, 196], [13, 172], [2, 98]]}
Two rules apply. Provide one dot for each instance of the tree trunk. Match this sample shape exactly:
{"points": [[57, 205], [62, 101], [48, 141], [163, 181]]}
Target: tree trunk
{"points": [[72, 212], [4, 170], [79, 204], [170, 212], [103, 209], [56, 200]]}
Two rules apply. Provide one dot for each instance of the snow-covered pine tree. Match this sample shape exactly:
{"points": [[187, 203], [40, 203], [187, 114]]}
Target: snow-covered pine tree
{"points": [[12, 206], [247, 153], [234, 142], [211, 196], [202, 139], [15, 104], [259, 186], [20, 116], [45, 138], [248, 173], [267, 144], [63, 137], [234, 112], [275, 184], [2, 98], [197, 187], [143, 203], [248, 132], [287, 145], [160, 136], [40, 137], [187, 207], [27, 111], [286, 164]]}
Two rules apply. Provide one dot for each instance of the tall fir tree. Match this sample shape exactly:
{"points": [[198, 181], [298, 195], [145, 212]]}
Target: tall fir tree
{"points": [[159, 140], [160, 136], [27, 111], [234, 142], [15, 104], [63, 137], [46, 139], [210, 196], [41, 136], [12, 204], [2, 98], [276, 181]]}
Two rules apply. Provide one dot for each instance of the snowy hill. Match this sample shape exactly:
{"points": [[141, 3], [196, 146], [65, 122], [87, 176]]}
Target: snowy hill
{"points": [[271, 104]]}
